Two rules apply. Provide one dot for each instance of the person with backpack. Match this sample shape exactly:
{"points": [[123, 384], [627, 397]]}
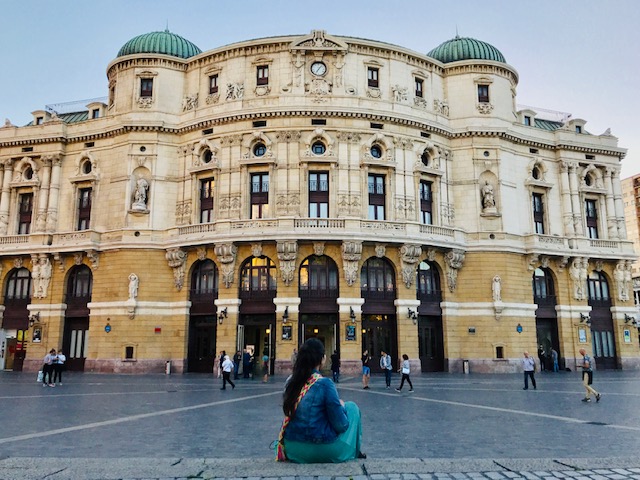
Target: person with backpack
{"points": [[385, 365], [587, 376]]}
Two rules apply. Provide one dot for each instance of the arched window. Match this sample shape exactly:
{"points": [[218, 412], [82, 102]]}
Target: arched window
{"points": [[204, 280], [377, 279], [598, 288], [318, 277], [79, 284], [428, 282], [542, 285], [18, 285], [258, 275]]}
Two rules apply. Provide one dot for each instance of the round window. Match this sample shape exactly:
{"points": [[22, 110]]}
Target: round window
{"points": [[318, 148], [376, 151], [28, 173], [86, 168], [259, 150], [207, 156]]}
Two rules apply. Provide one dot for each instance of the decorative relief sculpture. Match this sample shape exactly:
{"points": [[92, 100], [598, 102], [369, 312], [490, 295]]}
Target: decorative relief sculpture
{"points": [[212, 98], [488, 198], [374, 93], [381, 250], [496, 288], [94, 258], [318, 249], [235, 91], [410, 257], [226, 253], [319, 88], [441, 107], [351, 255], [59, 258], [133, 286], [485, 108], [177, 258], [287, 253], [400, 94], [622, 283], [145, 102], [256, 249], [262, 90], [420, 102], [41, 274], [454, 260], [140, 195], [190, 102], [578, 273], [201, 253]]}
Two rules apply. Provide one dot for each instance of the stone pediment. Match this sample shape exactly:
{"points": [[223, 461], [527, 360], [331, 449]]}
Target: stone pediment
{"points": [[319, 40]]}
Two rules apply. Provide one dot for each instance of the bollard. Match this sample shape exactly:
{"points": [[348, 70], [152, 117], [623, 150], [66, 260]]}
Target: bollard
{"points": [[167, 367], [465, 367]]}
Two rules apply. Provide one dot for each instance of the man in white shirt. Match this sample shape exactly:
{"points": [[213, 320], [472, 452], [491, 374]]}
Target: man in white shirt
{"points": [[58, 366]]}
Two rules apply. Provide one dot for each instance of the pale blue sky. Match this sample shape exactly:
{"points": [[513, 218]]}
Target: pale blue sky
{"points": [[576, 56]]}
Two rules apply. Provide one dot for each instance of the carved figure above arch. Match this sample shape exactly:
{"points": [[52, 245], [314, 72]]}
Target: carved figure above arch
{"points": [[318, 135], [26, 171]]}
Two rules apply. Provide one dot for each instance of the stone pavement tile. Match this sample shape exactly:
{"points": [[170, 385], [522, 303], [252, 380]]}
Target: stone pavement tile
{"points": [[617, 476], [559, 474], [409, 476], [425, 476], [543, 474], [495, 475], [598, 477], [635, 476], [621, 471], [603, 472], [459, 476], [634, 470], [512, 475], [530, 476]]}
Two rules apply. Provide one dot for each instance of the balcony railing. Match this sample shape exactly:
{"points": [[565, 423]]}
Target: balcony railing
{"points": [[319, 293], [257, 294], [378, 295], [545, 301]]}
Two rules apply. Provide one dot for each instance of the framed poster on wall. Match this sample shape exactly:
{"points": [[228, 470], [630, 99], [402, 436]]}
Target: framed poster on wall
{"points": [[582, 335], [286, 332], [351, 333]]}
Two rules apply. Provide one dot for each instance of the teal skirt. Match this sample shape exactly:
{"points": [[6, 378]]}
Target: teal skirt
{"points": [[346, 447]]}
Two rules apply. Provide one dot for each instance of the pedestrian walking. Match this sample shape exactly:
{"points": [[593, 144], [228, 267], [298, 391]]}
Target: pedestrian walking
{"points": [[58, 366], [227, 368], [554, 357], [246, 363], [265, 367], [220, 361], [335, 366], [405, 369], [237, 358], [587, 376], [366, 370], [47, 368], [385, 365], [529, 367]]}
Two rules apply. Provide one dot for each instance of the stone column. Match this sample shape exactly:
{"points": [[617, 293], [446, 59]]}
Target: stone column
{"points": [[5, 197], [619, 206], [575, 199], [43, 195], [54, 194], [612, 226], [566, 200]]}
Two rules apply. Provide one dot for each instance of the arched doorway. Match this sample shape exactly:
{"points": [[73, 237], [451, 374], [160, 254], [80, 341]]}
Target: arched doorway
{"points": [[318, 291], [379, 325], [76, 319], [546, 318], [602, 334], [15, 321], [258, 288], [430, 332], [201, 351]]}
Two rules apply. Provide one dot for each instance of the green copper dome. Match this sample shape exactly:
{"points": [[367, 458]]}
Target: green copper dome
{"points": [[460, 48], [165, 43]]}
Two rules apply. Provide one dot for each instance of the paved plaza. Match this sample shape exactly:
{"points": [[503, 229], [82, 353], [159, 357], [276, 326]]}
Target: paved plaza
{"points": [[452, 427]]}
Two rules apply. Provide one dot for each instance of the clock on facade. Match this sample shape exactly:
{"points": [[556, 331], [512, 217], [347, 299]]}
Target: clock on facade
{"points": [[318, 68]]}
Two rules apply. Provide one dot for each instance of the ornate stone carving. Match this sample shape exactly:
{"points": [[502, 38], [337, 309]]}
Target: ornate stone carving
{"points": [[578, 273], [441, 107], [134, 282], [183, 212], [562, 262], [400, 94], [256, 249], [190, 102], [201, 253], [140, 195], [176, 259], [226, 253], [94, 258], [454, 260], [410, 257], [41, 273], [17, 262], [420, 102], [374, 93], [77, 258], [59, 258], [532, 261], [351, 255], [431, 254], [288, 136], [484, 108], [145, 102], [381, 250], [262, 90], [212, 98], [319, 88], [496, 288], [350, 137], [287, 253], [235, 91], [318, 249], [622, 280], [448, 212], [488, 198]]}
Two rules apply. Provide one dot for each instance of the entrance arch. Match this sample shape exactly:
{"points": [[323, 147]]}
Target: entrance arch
{"points": [[544, 295], [76, 317], [430, 331], [602, 333], [201, 352], [17, 295]]}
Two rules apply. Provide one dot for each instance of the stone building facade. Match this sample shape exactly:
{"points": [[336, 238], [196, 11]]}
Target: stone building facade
{"points": [[257, 194]]}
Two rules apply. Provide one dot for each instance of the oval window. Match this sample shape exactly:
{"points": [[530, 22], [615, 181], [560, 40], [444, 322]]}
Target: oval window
{"points": [[425, 158], [86, 168], [535, 173], [259, 150], [28, 173], [376, 151], [318, 148], [587, 180], [207, 156]]}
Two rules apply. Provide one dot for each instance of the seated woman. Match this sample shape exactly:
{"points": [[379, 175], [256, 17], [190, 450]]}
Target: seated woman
{"points": [[318, 427]]}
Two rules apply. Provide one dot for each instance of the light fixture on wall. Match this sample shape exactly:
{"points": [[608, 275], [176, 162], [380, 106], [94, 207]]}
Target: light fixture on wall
{"points": [[34, 318], [628, 318], [222, 315], [285, 315], [352, 315], [413, 315], [585, 318]]}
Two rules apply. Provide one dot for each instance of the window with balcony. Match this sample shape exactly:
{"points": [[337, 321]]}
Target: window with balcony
{"points": [[259, 195], [318, 277], [204, 282], [319, 194], [428, 284], [598, 289], [543, 288], [377, 279], [84, 208], [419, 87], [146, 87], [538, 213], [213, 84], [372, 77], [376, 197], [18, 285], [258, 278], [206, 200], [591, 216], [262, 74], [483, 93], [25, 207], [426, 202], [79, 285]]}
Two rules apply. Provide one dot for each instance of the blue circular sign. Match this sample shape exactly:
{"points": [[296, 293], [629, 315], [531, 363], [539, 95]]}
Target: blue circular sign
{"points": [[519, 328], [107, 328]]}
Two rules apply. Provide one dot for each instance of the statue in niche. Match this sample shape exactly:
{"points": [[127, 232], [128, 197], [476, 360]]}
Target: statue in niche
{"points": [[496, 287], [140, 194], [133, 286], [488, 198]]}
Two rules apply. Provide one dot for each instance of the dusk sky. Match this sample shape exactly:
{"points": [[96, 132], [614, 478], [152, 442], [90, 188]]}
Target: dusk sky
{"points": [[578, 57]]}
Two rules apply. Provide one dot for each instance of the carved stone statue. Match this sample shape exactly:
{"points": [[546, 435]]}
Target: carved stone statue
{"points": [[133, 286], [496, 287], [140, 194], [488, 199]]}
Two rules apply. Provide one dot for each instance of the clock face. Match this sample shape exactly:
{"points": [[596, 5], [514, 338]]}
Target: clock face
{"points": [[318, 68]]}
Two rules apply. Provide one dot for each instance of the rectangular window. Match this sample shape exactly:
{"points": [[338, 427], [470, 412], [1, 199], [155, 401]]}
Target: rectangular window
{"points": [[419, 85], [538, 213], [213, 84], [263, 75], [259, 195], [426, 203], [206, 200], [84, 208], [39, 120], [591, 214], [146, 87], [372, 77], [318, 194], [95, 113], [527, 120], [483, 93], [578, 129], [376, 197], [24, 215]]}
